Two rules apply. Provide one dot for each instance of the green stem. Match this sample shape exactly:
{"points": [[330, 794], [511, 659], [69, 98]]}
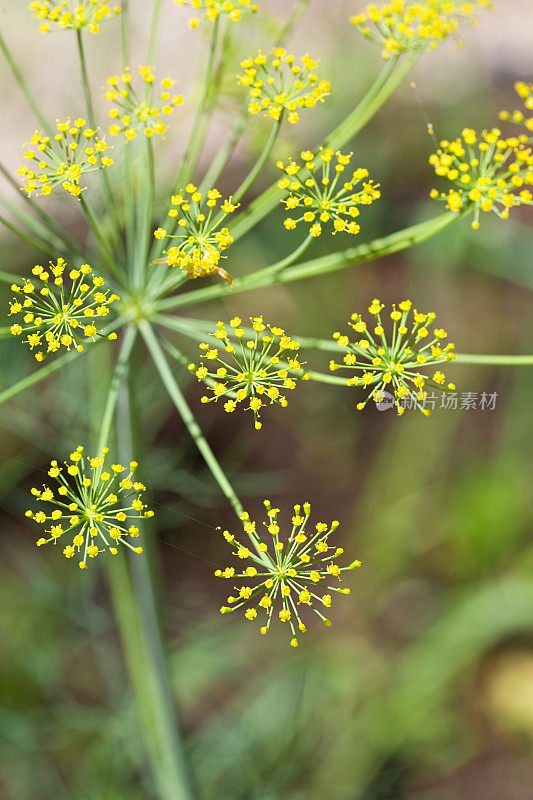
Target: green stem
{"points": [[298, 10], [142, 645], [511, 361], [224, 153], [21, 80], [386, 84], [125, 33], [85, 79], [144, 242], [154, 29], [100, 236], [116, 380], [400, 240], [199, 127], [258, 166], [378, 93], [10, 277], [42, 246], [187, 416]]}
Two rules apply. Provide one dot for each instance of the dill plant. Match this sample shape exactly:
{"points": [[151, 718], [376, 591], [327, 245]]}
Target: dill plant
{"points": [[147, 268]]}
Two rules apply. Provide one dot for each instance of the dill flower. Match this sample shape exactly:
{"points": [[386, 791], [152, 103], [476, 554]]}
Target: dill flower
{"points": [[525, 92], [213, 9], [288, 573], [62, 160], [58, 315], [326, 198], [199, 235], [73, 13], [488, 172], [414, 25], [96, 507], [395, 364], [255, 371], [131, 111], [279, 83]]}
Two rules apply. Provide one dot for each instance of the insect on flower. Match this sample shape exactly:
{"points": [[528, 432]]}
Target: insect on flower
{"points": [[76, 14], [395, 363], [213, 9], [326, 198], [132, 112], [254, 371], [96, 507], [285, 573], [198, 233], [280, 84], [63, 159], [488, 172], [401, 26], [56, 315]]}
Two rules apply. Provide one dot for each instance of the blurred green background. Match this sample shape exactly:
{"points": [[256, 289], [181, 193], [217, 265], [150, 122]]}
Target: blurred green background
{"points": [[423, 689]]}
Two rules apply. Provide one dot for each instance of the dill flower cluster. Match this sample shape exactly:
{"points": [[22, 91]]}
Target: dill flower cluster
{"points": [[414, 25], [488, 172], [199, 235], [525, 92], [132, 112], [98, 508], [63, 159], [56, 315], [73, 13], [328, 198], [255, 371], [287, 573], [213, 9], [394, 364], [279, 83]]}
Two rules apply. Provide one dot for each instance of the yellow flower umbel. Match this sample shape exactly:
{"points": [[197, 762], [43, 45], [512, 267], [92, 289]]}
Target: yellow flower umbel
{"points": [[256, 371], [56, 314], [286, 574], [131, 112], [199, 235], [328, 197], [525, 92], [395, 365], [414, 25], [211, 10], [63, 159], [488, 172], [96, 507], [76, 14], [280, 84]]}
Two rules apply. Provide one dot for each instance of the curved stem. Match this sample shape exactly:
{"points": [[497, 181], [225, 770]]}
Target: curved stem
{"points": [[400, 240]]}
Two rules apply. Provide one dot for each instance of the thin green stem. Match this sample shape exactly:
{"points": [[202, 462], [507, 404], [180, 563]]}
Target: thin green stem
{"points": [[391, 76], [147, 188], [187, 416], [511, 361], [85, 79], [259, 164], [42, 246], [154, 31], [95, 226], [298, 10], [223, 155], [125, 33], [10, 277], [116, 380], [21, 80], [400, 240]]}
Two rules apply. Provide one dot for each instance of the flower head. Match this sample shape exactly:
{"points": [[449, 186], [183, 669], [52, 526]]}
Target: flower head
{"points": [[132, 111], [211, 10], [64, 311], [63, 159], [525, 92], [286, 573], [414, 25], [199, 237], [396, 364], [97, 507], [279, 83], [327, 197], [259, 366], [488, 172], [73, 13]]}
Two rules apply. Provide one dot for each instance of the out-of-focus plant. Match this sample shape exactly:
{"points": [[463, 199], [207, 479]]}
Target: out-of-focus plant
{"points": [[148, 264]]}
